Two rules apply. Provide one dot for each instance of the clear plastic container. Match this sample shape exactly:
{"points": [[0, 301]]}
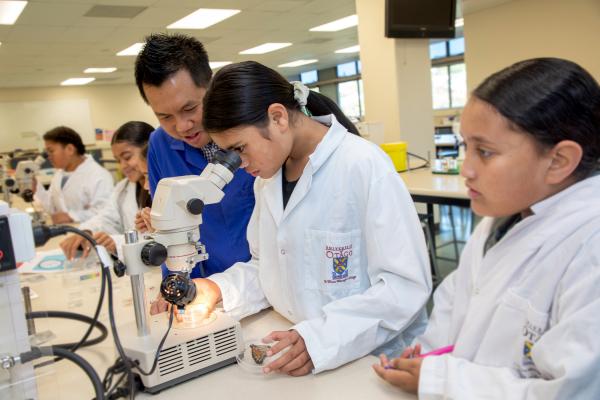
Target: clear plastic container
{"points": [[253, 359]]}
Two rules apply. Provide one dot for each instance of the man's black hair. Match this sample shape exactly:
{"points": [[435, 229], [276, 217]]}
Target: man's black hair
{"points": [[166, 54]]}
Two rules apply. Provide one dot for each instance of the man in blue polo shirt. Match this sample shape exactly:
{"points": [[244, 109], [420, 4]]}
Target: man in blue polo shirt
{"points": [[172, 73]]}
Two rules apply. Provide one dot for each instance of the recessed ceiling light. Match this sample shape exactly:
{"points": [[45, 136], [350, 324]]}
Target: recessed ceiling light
{"points": [[202, 18], [218, 64], [76, 81], [459, 22], [297, 63], [265, 48], [132, 50], [100, 70], [351, 49], [337, 25], [10, 11]]}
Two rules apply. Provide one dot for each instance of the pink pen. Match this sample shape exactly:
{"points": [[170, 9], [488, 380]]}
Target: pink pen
{"points": [[436, 352]]}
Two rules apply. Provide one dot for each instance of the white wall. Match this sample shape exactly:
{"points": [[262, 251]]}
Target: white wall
{"points": [[110, 105], [514, 31]]}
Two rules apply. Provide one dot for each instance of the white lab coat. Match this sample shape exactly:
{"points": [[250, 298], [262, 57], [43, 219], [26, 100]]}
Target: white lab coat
{"points": [[85, 193], [524, 318], [349, 208], [118, 214]]}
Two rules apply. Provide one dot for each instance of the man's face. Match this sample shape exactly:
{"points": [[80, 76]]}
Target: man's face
{"points": [[177, 103]]}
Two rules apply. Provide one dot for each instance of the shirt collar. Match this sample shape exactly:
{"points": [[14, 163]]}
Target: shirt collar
{"points": [[330, 142]]}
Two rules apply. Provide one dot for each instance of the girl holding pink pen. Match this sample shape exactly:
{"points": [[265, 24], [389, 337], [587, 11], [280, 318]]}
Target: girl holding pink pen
{"points": [[519, 318]]}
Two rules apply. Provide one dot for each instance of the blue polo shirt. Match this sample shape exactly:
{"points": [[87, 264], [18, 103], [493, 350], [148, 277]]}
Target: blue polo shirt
{"points": [[223, 229]]}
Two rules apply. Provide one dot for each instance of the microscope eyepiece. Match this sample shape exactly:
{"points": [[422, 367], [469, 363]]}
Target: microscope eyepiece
{"points": [[230, 159]]}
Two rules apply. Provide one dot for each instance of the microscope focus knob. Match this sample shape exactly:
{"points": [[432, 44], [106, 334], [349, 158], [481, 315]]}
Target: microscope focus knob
{"points": [[195, 206], [154, 254]]}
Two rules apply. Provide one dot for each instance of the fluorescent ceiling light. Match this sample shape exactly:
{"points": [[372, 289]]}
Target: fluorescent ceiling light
{"points": [[297, 63], [132, 50], [337, 25], [99, 70], [218, 64], [351, 49], [265, 48], [10, 11], [459, 22], [77, 81], [202, 18]]}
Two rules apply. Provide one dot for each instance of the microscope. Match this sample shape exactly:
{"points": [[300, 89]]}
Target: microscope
{"points": [[203, 341], [16, 245], [24, 176]]}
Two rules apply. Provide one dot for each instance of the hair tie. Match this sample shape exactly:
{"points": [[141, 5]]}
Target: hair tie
{"points": [[301, 92]]}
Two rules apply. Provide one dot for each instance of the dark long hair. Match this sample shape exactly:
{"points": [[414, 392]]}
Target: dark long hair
{"points": [[136, 133], [552, 100], [241, 93], [164, 55]]}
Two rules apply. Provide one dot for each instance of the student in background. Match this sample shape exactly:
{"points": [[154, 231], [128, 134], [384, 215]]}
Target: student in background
{"points": [[128, 196], [522, 310], [80, 186], [337, 247]]}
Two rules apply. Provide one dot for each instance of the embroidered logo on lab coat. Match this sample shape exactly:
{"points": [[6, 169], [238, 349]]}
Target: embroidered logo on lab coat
{"points": [[531, 333], [340, 263]]}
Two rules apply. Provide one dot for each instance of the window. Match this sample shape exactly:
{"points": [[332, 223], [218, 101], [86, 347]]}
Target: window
{"points": [[449, 86], [347, 69], [448, 73], [440, 87], [438, 50], [456, 46], [349, 98], [309, 77], [458, 85]]}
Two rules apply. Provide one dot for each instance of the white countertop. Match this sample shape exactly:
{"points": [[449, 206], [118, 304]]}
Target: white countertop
{"points": [[424, 182], [63, 380]]}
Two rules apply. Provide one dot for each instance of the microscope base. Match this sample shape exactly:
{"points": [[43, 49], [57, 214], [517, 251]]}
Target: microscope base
{"points": [[186, 354]]}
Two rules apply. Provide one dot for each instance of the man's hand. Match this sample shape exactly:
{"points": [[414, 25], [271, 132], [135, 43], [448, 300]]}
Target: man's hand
{"points": [[61, 218], [296, 361]]}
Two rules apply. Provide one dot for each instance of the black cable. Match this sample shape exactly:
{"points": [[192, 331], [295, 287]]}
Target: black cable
{"points": [[420, 158], [76, 317], [128, 363], [37, 352], [42, 234]]}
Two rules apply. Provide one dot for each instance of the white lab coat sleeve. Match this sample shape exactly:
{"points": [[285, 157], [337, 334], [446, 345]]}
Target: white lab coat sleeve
{"points": [[567, 355], [398, 269], [108, 220], [100, 191], [240, 286], [437, 333], [43, 197]]}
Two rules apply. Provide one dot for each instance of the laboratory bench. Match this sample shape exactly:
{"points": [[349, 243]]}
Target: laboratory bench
{"points": [[77, 291]]}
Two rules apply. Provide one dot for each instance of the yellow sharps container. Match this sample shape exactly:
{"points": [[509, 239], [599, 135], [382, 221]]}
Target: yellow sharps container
{"points": [[397, 152]]}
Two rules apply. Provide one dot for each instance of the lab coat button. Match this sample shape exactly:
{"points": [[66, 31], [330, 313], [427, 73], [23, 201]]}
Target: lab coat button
{"points": [[476, 291], [282, 252]]}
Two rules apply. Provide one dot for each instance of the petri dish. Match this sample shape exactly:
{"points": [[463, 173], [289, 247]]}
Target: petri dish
{"points": [[253, 359]]}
